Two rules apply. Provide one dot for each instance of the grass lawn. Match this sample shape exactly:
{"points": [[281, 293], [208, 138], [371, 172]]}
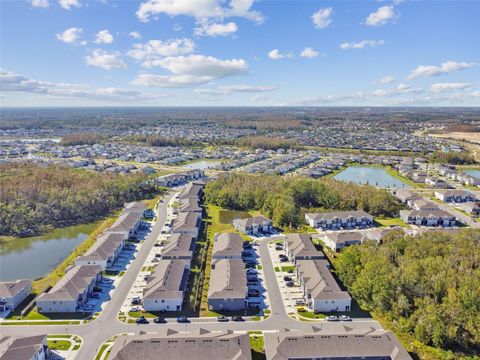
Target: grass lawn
{"points": [[312, 315], [101, 351], [287, 268], [397, 175], [16, 323], [390, 222], [59, 344], [257, 344], [35, 315]]}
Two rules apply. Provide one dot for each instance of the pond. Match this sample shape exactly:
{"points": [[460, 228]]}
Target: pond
{"points": [[376, 176], [202, 164], [34, 257], [474, 173]]}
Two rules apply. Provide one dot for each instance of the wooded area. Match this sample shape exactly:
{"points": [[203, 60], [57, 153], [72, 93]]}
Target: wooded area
{"points": [[33, 197], [428, 284], [285, 200]]}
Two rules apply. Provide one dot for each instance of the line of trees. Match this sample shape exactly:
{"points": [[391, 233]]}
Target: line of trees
{"points": [[453, 158], [286, 200], [82, 138], [266, 142], [428, 284], [33, 198]]}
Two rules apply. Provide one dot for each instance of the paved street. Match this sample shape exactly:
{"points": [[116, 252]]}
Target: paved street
{"points": [[107, 325]]}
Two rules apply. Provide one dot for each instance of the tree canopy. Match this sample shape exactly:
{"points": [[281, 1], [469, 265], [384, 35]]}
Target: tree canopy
{"points": [[428, 284], [285, 200], [33, 197]]}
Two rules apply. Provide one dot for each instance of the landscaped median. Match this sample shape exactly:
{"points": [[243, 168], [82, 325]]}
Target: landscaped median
{"points": [[64, 342]]}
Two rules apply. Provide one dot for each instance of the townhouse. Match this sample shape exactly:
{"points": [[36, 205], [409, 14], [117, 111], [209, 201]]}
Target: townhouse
{"points": [[361, 343], [166, 286], [300, 247], [227, 246], [339, 240], [105, 251], [339, 220], [130, 220], [24, 348], [171, 180], [190, 198], [199, 344], [320, 290], [471, 208], [187, 223], [407, 196], [179, 246], [455, 196], [228, 288], [254, 225], [436, 182], [12, 293], [436, 217], [71, 292]]}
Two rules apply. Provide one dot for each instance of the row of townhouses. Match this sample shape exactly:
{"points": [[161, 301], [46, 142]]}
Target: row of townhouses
{"points": [[256, 225], [166, 285], [320, 290], [180, 178], [339, 220], [73, 290], [228, 288]]}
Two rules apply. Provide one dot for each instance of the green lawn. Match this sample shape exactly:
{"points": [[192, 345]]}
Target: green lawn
{"points": [[59, 344], [257, 344], [390, 222], [312, 315], [287, 268]]}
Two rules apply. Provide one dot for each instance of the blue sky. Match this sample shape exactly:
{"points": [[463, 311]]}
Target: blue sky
{"points": [[239, 52]]}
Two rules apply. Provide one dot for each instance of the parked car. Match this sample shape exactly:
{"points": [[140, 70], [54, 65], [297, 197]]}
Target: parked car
{"points": [[135, 309], [284, 259], [251, 271], [159, 320], [237, 318], [279, 247], [158, 255], [183, 319], [300, 302], [253, 292], [142, 320], [345, 318], [332, 318], [222, 318], [136, 301], [290, 271], [290, 284], [281, 256], [287, 278]]}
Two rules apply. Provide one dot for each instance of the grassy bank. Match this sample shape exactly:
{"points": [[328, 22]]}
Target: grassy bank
{"points": [[394, 173], [52, 278]]}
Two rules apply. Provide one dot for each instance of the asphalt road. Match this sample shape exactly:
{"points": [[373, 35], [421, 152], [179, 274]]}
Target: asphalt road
{"points": [[96, 332]]}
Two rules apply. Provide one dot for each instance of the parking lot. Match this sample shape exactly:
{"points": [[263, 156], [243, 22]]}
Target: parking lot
{"points": [[286, 277], [257, 292]]}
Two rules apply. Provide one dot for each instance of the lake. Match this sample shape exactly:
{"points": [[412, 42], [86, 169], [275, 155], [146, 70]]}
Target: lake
{"points": [[376, 176], [202, 164], [474, 173], [34, 257]]}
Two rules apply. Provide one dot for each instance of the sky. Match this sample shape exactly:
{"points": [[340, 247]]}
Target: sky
{"points": [[239, 53]]}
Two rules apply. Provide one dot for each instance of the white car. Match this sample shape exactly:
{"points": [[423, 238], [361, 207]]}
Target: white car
{"points": [[135, 309]]}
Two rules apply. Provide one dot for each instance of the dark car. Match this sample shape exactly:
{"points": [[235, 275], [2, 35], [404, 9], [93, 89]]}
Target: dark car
{"points": [[142, 320], [237, 318], [287, 278], [284, 259], [159, 320], [290, 283], [183, 319], [281, 256]]}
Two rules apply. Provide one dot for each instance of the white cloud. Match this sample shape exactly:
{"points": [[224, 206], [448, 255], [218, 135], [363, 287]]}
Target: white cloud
{"points": [[361, 44], [70, 35], [11, 82], [215, 29], [230, 89], [442, 87], [191, 70], [135, 35], [476, 93], [275, 54], [40, 3], [322, 18], [382, 16], [68, 4], [404, 88], [155, 49], [199, 9], [447, 67], [105, 60], [387, 79], [103, 37], [309, 52]]}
